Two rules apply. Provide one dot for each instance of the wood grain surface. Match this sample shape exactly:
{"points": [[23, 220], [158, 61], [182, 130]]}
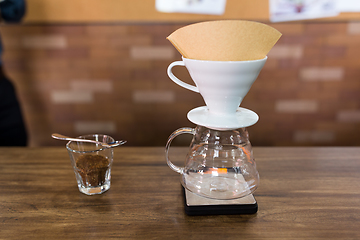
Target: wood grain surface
{"points": [[304, 193]]}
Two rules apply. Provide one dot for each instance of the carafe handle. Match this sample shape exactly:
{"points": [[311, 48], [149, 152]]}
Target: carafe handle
{"points": [[167, 147], [178, 81]]}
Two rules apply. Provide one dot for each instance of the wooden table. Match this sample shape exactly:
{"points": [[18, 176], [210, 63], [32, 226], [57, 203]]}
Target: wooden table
{"points": [[304, 193]]}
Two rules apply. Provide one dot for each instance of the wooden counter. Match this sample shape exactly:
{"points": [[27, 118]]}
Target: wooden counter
{"points": [[304, 193]]}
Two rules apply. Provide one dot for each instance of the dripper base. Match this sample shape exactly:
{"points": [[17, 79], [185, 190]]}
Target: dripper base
{"points": [[242, 118]]}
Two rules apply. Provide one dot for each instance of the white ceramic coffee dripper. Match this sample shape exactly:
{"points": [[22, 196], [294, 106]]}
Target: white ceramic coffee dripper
{"points": [[223, 85]]}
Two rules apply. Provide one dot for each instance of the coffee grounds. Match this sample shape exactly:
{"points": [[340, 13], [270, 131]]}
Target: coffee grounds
{"points": [[92, 169]]}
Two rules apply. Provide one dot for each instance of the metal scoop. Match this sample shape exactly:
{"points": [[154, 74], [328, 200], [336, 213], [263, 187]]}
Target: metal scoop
{"points": [[109, 145]]}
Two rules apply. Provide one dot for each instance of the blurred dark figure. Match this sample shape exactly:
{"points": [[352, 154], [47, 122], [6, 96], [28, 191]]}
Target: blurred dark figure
{"points": [[12, 128]]}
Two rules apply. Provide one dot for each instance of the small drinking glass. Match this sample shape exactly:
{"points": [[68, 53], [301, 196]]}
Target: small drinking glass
{"points": [[91, 163]]}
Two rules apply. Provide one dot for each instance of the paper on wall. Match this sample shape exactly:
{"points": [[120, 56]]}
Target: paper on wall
{"points": [[214, 7], [348, 5], [291, 10]]}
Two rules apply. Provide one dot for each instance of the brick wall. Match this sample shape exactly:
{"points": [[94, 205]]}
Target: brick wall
{"points": [[111, 78]]}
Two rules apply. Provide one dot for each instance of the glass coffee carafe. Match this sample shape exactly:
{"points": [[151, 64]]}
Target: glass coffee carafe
{"points": [[219, 163]]}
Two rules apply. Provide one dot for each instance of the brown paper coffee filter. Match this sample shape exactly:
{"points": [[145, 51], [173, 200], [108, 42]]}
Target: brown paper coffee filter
{"points": [[226, 40]]}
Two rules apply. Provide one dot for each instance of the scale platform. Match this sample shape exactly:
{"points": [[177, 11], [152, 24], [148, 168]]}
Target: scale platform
{"points": [[196, 205]]}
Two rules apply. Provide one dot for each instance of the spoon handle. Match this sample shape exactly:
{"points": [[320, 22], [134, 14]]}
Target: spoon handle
{"points": [[62, 137]]}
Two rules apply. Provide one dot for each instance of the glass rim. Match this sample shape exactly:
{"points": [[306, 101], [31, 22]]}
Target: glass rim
{"points": [[89, 151]]}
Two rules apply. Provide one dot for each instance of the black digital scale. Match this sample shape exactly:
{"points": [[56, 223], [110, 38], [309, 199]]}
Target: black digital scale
{"points": [[196, 205]]}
